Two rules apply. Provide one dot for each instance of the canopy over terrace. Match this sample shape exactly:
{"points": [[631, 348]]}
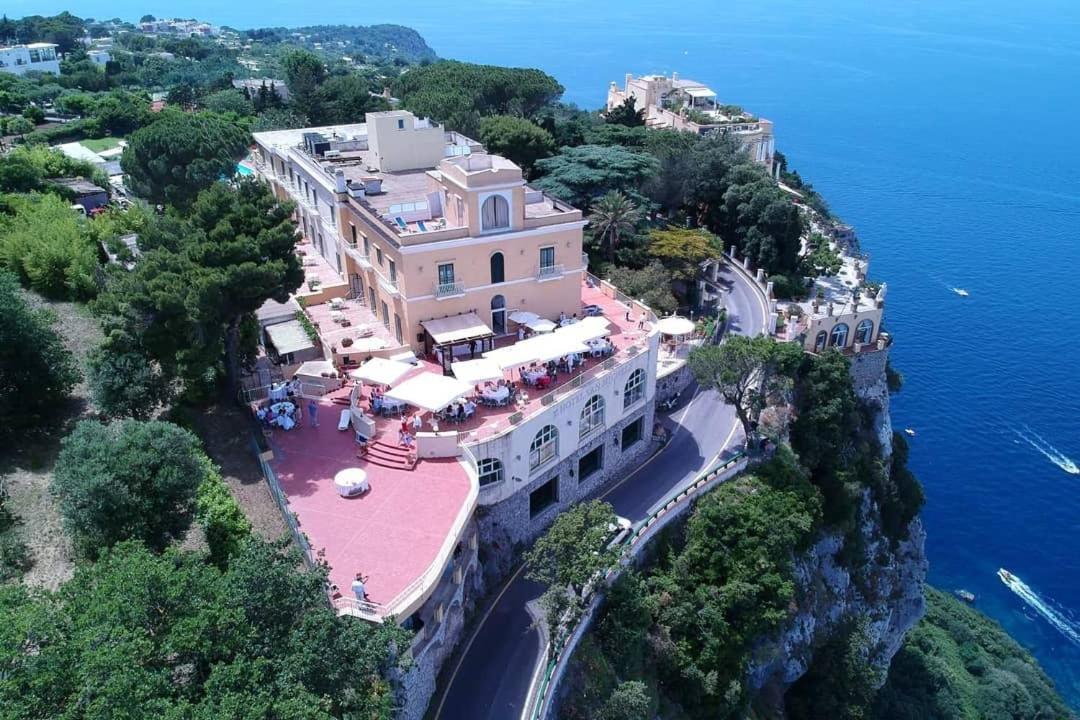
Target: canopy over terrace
{"points": [[382, 371], [477, 371], [457, 335], [429, 391], [540, 348], [586, 329]]}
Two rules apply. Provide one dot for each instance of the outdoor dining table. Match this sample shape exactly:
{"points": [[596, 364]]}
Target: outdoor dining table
{"points": [[497, 395], [283, 408], [351, 481]]}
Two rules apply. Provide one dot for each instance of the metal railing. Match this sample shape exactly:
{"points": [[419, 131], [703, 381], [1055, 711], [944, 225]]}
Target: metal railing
{"points": [[451, 289], [546, 272], [283, 505], [563, 645]]}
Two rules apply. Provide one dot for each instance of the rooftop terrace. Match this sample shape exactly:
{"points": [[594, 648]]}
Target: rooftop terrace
{"points": [[396, 533]]}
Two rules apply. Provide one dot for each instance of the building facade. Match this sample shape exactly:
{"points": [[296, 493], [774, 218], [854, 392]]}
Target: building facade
{"points": [[674, 103], [34, 57]]}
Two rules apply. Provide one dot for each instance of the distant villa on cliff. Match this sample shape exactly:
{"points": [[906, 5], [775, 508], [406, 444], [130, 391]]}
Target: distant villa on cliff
{"points": [[674, 103]]}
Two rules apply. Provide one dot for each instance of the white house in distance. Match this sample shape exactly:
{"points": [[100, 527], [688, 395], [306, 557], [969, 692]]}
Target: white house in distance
{"points": [[34, 57]]}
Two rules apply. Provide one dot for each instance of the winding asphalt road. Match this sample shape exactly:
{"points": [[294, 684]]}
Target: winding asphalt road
{"points": [[490, 679]]}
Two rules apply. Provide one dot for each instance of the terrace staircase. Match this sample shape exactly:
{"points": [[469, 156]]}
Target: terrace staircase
{"points": [[390, 456]]}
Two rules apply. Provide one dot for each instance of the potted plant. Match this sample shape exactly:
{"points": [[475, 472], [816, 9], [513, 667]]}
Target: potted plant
{"points": [[346, 342]]}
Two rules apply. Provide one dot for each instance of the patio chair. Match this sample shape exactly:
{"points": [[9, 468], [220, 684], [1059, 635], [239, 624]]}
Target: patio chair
{"points": [[344, 419]]}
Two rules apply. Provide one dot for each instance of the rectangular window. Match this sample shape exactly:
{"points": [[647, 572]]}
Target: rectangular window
{"points": [[632, 433], [352, 229], [591, 462], [544, 497], [371, 298], [393, 271], [397, 327], [400, 124], [385, 315], [367, 245], [547, 257], [460, 210], [378, 256], [446, 274]]}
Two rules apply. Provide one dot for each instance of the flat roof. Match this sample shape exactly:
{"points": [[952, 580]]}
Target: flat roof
{"points": [[289, 337]]}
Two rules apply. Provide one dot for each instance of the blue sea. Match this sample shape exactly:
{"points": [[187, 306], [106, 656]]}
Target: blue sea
{"points": [[946, 132]]}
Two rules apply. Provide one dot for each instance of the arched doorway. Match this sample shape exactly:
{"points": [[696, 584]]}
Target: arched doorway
{"points": [[498, 315]]}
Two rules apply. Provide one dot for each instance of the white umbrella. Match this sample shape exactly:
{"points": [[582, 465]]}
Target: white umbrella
{"points": [[381, 371], [541, 325], [523, 317], [477, 371], [675, 325]]}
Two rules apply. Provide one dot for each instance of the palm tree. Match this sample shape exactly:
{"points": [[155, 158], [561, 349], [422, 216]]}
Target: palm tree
{"points": [[613, 216]]}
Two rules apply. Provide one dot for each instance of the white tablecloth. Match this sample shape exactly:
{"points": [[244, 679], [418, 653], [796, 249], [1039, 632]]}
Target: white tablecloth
{"points": [[280, 391], [534, 375], [351, 481], [497, 395], [283, 407]]}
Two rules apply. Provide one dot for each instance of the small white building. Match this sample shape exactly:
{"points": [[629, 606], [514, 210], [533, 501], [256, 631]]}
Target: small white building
{"points": [[99, 56], [34, 57]]}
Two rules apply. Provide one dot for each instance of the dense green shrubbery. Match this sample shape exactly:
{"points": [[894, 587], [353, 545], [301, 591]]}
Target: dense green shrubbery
{"points": [[141, 635], [36, 370], [958, 664], [128, 480], [44, 243], [690, 620], [461, 94], [14, 555], [221, 518]]}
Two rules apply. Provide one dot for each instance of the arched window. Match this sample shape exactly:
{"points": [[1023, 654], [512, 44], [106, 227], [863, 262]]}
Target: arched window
{"points": [[634, 389], [819, 343], [490, 471], [545, 446], [495, 213], [498, 273], [592, 415], [838, 338], [864, 332]]}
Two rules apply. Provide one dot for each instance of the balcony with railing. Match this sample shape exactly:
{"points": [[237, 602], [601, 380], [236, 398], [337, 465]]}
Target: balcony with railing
{"points": [[449, 290], [549, 272]]}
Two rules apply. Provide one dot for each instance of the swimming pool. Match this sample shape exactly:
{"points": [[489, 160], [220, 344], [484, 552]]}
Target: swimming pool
{"points": [[242, 169]]}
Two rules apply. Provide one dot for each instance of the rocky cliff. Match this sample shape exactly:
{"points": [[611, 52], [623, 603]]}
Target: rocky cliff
{"points": [[863, 576]]}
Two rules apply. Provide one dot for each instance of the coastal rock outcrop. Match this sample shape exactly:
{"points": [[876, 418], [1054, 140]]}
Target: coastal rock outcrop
{"points": [[863, 576]]}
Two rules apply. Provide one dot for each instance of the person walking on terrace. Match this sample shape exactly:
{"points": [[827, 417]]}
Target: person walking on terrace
{"points": [[313, 412]]}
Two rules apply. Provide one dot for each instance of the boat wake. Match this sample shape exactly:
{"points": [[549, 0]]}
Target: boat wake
{"points": [[1050, 452], [1062, 624]]}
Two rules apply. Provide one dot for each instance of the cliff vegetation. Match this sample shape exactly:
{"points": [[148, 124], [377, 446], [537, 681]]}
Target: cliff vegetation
{"points": [[958, 664]]}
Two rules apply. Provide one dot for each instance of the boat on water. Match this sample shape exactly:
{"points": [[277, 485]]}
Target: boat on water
{"points": [[961, 292], [965, 595], [910, 431], [1006, 577]]}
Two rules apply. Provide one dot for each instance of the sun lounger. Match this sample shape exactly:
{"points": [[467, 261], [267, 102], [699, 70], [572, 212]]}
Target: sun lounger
{"points": [[345, 419]]}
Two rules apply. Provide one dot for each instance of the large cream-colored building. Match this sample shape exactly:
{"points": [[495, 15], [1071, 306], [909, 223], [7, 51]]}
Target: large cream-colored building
{"points": [[422, 224], [675, 103]]}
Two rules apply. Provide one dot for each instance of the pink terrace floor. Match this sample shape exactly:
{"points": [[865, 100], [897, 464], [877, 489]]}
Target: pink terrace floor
{"points": [[392, 533]]}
